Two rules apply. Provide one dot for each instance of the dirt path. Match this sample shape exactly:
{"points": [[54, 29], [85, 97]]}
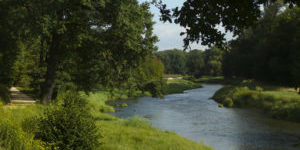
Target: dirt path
{"points": [[18, 97]]}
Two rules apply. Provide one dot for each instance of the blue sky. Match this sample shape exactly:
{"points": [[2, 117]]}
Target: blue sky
{"points": [[167, 33]]}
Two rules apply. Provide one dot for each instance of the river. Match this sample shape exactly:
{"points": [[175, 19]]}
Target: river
{"points": [[194, 115]]}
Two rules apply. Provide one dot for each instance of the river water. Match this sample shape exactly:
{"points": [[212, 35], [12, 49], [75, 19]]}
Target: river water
{"points": [[195, 116]]}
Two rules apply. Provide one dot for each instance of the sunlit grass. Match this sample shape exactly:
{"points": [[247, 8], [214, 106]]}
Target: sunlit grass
{"points": [[16, 129], [209, 79], [138, 134]]}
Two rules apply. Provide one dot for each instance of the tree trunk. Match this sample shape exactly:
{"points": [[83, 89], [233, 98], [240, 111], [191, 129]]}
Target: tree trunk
{"points": [[52, 63]]}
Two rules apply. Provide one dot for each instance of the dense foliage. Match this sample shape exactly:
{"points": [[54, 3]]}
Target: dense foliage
{"points": [[270, 51], [52, 46], [4, 95], [8, 41], [195, 62]]}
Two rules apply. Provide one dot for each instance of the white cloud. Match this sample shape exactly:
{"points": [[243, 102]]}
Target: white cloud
{"points": [[169, 36]]}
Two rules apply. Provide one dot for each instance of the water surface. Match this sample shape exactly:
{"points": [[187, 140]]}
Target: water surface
{"points": [[195, 116]]}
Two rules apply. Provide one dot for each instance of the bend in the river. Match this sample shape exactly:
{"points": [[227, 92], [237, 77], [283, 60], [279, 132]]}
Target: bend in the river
{"points": [[195, 116]]}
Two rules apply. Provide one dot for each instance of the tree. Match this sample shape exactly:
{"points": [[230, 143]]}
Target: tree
{"points": [[213, 58], [62, 26], [149, 76], [174, 61], [268, 52], [200, 18], [195, 63], [85, 43], [9, 39]]}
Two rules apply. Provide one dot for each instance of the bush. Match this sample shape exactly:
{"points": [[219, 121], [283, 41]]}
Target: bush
{"points": [[223, 93], [96, 102], [68, 124], [156, 88], [228, 102], [4, 94]]}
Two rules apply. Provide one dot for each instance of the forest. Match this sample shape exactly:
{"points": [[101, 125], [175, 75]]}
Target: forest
{"points": [[194, 62], [68, 67]]}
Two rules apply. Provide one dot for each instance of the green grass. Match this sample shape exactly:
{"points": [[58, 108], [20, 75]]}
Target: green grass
{"points": [[180, 85], [17, 128], [278, 102], [138, 134]]}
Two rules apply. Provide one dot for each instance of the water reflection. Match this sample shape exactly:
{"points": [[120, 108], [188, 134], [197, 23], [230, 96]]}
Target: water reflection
{"points": [[193, 115]]}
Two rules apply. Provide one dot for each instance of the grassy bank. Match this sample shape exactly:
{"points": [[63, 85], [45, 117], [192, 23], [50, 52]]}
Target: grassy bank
{"points": [[138, 134], [17, 127], [180, 85], [210, 79], [278, 102]]}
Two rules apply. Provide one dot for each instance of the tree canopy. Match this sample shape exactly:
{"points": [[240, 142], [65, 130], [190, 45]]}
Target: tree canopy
{"points": [[200, 18], [270, 51]]}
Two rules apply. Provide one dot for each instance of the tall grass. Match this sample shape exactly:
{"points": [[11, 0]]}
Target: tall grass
{"points": [[16, 128]]}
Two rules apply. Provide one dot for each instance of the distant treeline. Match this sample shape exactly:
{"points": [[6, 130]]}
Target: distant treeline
{"points": [[194, 62]]}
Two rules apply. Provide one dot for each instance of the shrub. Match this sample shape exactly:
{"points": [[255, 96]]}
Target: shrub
{"points": [[223, 93], [96, 102], [68, 124], [156, 88], [228, 102]]}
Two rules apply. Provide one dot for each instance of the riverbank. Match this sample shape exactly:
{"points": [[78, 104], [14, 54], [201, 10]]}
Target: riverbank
{"points": [[17, 127], [277, 101], [134, 133], [180, 85]]}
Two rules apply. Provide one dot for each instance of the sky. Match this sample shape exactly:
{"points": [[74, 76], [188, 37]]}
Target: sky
{"points": [[169, 34]]}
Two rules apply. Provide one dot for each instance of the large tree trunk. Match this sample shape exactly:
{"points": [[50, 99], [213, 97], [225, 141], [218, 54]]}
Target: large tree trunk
{"points": [[52, 63]]}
